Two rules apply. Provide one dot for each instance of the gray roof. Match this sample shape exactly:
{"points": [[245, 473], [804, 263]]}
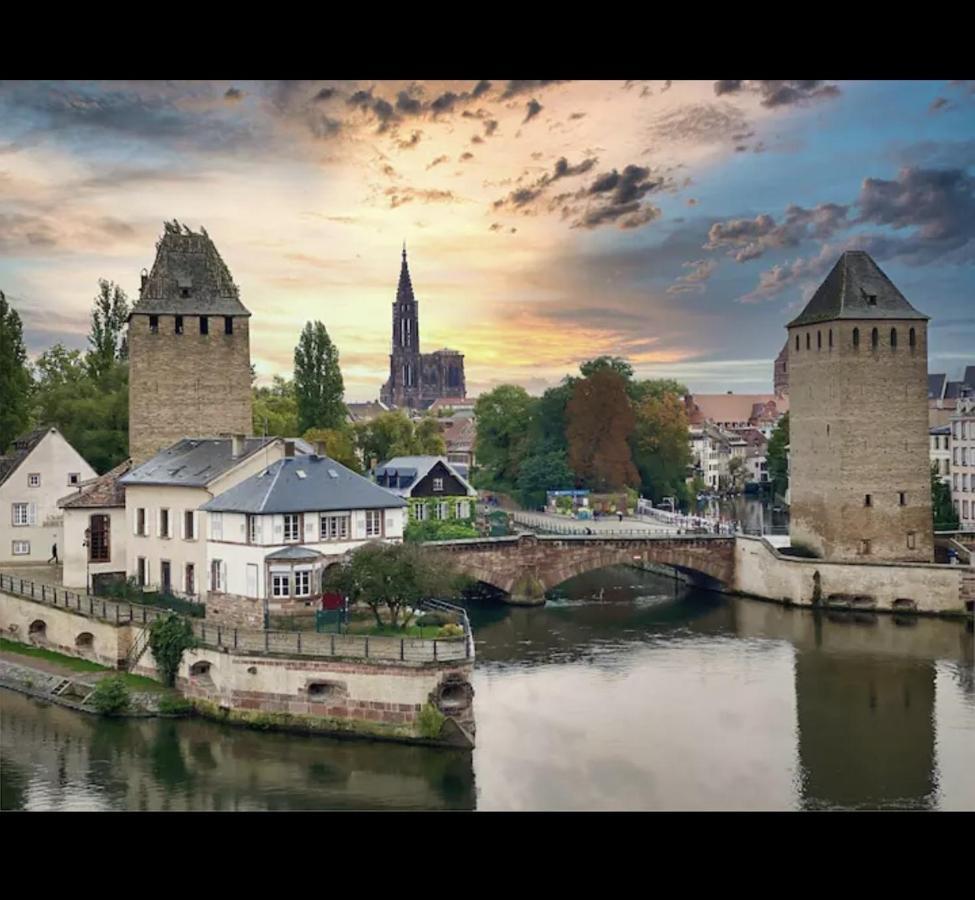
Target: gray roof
{"points": [[20, 448], [969, 376], [940, 429], [419, 467], [293, 552], [304, 484], [936, 386], [847, 291], [189, 262], [192, 462]]}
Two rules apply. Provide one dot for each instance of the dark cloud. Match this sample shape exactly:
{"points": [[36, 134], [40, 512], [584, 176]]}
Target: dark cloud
{"points": [[523, 196], [445, 102], [477, 139], [411, 142], [440, 159], [700, 123], [466, 156], [749, 238], [514, 88], [726, 87], [780, 93], [232, 95], [401, 196], [617, 196], [323, 126], [666, 86], [326, 93], [532, 108], [407, 104], [490, 126], [482, 87], [700, 270], [938, 103], [578, 115]]}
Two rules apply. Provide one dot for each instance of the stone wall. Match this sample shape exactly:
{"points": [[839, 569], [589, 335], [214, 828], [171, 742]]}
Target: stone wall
{"points": [[761, 571], [234, 610]]}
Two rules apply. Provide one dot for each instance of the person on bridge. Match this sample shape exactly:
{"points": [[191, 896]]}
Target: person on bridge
{"points": [[620, 515], [54, 555]]}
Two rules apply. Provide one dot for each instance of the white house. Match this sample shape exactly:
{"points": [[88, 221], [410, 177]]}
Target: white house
{"points": [[271, 537], [37, 470]]}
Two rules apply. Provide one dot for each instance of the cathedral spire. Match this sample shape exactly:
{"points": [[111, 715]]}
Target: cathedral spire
{"points": [[404, 291]]}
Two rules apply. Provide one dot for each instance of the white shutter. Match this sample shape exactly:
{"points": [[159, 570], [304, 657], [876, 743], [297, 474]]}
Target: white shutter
{"points": [[196, 525], [258, 530], [243, 528], [32, 514], [278, 528], [251, 580], [359, 524], [182, 524], [309, 527], [135, 521], [223, 577]]}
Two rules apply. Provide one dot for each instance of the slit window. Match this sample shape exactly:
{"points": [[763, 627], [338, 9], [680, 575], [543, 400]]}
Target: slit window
{"points": [[856, 337], [797, 342], [893, 337], [912, 338], [902, 497], [910, 540], [153, 324], [867, 501], [204, 325], [179, 324], [807, 340], [864, 548], [831, 339], [874, 339], [819, 340], [228, 325]]}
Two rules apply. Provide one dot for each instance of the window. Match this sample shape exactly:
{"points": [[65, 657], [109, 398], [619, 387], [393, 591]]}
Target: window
{"points": [[280, 585], [98, 539], [910, 540], [912, 339], [797, 342], [418, 511], [189, 525], [807, 340], [216, 570], [204, 325], [864, 548], [374, 520], [190, 578], [856, 337], [34, 479], [74, 478], [438, 484], [819, 340], [140, 521], [874, 339], [831, 339], [903, 498], [291, 526], [871, 299], [335, 528], [21, 513], [164, 523], [216, 526], [867, 501], [893, 337], [142, 572], [253, 532], [302, 583], [166, 577], [178, 327], [21, 548], [463, 509], [153, 324], [228, 325]]}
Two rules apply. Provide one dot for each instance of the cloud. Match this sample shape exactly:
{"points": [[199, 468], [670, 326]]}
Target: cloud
{"points": [[26, 234], [514, 88], [939, 103], [562, 169], [466, 156], [445, 102], [577, 115], [413, 140], [326, 93], [482, 87], [533, 108], [695, 280], [750, 238], [408, 104], [440, 159], [616, 197], [233, 94], [400, 196], [780, 93], [490, 126], [699, 123], [477, 139], [775, 280]]}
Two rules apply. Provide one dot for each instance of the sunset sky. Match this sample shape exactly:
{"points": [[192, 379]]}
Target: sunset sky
{"points": [[679, 224]]}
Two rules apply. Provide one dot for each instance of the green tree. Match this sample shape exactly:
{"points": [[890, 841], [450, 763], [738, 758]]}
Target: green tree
{"points": [[945, 517], [15, 380], [778, 466], [539, 474], [661, 448], [107, 337], [318, 380], [394, 433], [276, 408], [547, 430], [503, 418], [170, 636], [339, 445], [600, 421], [428, 438], [392, 576], [657, 388], [614, 363], [738, 474]]}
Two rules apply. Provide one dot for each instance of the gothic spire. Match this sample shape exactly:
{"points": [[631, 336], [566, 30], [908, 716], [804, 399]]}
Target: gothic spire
{"points": [[404, 291]]}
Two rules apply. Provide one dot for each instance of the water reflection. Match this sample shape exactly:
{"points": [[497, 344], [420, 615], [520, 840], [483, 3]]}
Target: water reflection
{"points": [[654, 697]]}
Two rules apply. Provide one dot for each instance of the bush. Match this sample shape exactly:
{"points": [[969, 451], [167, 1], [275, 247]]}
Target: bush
{"points": [[433, 530], [111, 696], [130, 591], [433, 618], [174, 705], [169, 637], [430, 721], [451, 631]]}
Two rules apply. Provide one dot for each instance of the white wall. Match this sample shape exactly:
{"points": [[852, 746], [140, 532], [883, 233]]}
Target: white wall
{"points": [[75, 554], [53, 459]]}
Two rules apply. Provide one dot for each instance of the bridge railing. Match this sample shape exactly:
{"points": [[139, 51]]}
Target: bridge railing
{"points": [[682, 525], [211, 634]]}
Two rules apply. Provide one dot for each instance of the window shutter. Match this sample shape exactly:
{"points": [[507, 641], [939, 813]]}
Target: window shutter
{"points": [[196, 524], [359, 523], [243, 529], [309, 527], [32, 514], [223, 577], [182, 524], [135, 521], [279, 528]]}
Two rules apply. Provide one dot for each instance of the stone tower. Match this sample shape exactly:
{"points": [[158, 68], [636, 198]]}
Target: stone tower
{"points": [[860, 475], [189, 349], [780, 372]]}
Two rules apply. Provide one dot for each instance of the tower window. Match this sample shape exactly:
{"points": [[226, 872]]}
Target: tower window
{"points": [[831, 339], [912, 338], [179, 324], [184, 292], [819, 340], [874, 339], [871, 299], [204, 325], [228, 325], [893, 337], [856, 337], [867, 501], [864, 548], [910, 540], [807, 340], [797, 342], [903, 498], [153, 324]]}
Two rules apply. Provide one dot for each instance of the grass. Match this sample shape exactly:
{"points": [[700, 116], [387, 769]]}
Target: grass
{"points": [[427, 631], [136, 682]]}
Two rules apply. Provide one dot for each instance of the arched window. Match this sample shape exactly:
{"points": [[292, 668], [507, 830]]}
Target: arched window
{"points": [[831, 339], [819, 340], [874, 339], [807, 340], [893, 337], [856, 337], [912, 338], [797, 342]]}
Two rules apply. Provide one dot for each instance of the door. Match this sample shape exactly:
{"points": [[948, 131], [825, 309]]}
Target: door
{"points": [[164, 576]]}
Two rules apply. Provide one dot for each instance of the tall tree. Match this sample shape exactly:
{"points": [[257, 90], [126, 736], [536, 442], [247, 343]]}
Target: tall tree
{"points": [[778, 467], [15, 380], [660, 445], [547, 432], [107, 337], [600, 421], [395, 434], [615, 363], [944, 514], [339, 445], [275, 408], [540, 474], [503, 419], [318, 380]]}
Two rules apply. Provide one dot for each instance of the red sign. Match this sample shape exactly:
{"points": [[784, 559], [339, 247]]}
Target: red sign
{"points": [[333, 601]]}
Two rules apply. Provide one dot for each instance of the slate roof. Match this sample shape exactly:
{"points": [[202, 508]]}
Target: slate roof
{"points": [[940, 429], [99, 493], [192, 462], [846, 291], [190, 261], [20, 448], [365, 412], [281, 489], [936, 386], [419, 467]]}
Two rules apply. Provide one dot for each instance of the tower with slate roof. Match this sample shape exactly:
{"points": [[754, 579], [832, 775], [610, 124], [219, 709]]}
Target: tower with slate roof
{"points": [[860, 480], [189, 347]]}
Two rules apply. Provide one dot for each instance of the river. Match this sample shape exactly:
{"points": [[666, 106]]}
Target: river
{"points": [[655, 697]]}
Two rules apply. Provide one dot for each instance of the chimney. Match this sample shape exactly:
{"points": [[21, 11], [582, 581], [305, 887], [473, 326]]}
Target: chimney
{"points": [[289, 449], [237, 444], [320, 448]]}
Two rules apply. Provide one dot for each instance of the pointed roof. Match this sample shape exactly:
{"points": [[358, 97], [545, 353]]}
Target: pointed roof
{"points": [[189, 276], [404, 290], [20, 448], [856, 288], [99, 493]]}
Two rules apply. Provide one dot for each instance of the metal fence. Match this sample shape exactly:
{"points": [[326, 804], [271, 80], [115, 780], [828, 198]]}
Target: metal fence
{"points": [[291, 643], [547, 526]]}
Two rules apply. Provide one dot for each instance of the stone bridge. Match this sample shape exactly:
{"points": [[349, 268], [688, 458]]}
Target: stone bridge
{"points": [[528, 565]]}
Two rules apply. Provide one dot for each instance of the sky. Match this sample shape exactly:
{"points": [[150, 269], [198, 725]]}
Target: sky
{"points": [[678, 224]]}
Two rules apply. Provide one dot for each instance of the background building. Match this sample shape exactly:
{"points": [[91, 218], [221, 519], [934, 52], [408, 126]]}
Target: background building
{"points": [[940, 451], [963, 462], [431, 486]]}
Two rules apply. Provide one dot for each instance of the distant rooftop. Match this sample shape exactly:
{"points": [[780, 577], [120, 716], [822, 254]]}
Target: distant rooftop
{"points": [[856, 288]]}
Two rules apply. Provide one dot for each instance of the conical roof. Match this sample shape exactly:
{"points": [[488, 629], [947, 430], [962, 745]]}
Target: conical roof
{"points": [[404, 290], [856, 288], [189, 277]]}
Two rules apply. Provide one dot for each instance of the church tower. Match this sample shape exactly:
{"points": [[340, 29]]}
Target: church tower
{"points": [[189, 348], [404, 385], [860, 472]]}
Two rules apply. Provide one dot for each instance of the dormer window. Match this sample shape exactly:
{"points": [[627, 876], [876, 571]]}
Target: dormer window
{"points": [[185, 286], [871, 299]]}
